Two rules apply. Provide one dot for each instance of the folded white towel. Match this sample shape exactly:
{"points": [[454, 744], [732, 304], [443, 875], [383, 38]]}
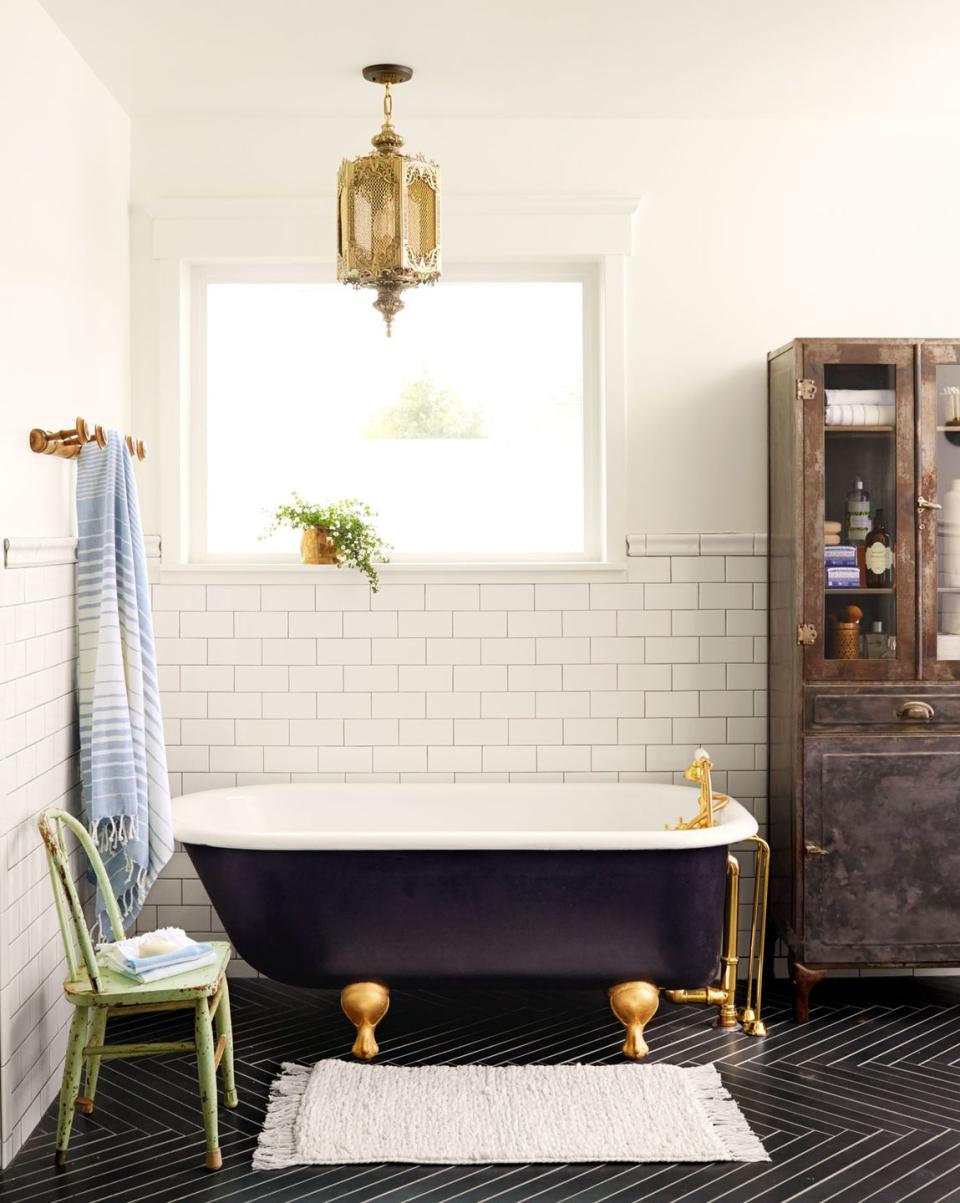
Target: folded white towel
{"points": [[861, 415], [860, 396]]}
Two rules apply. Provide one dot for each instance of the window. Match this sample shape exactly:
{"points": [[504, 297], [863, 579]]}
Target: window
{"points": [[473, 431]]}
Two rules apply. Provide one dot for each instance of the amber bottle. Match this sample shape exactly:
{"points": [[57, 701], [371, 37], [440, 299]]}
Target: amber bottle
{"points": [[879, 555]]}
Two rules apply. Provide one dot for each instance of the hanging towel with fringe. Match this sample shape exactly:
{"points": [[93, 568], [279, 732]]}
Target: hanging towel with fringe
{"points": [[124, 792]]}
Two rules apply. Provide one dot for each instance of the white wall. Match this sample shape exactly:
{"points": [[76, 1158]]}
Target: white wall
{"points": [[749, 233], [64, 261], [64, 304]]}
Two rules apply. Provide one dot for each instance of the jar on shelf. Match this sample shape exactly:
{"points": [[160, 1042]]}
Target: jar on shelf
{"points": [[845, 633]]}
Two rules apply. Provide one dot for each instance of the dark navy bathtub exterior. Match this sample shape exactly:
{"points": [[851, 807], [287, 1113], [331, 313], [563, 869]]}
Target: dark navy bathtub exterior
{"points": [[326, 918]]}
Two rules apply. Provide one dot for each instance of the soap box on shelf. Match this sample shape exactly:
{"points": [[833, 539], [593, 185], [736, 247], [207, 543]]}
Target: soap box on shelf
{"points": [[840, 556], [843, 578]]}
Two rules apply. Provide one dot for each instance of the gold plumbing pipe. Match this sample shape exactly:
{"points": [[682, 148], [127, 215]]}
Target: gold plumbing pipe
{"points": [[712, 995], [749, 1014], [730, 959], [724, 995]]}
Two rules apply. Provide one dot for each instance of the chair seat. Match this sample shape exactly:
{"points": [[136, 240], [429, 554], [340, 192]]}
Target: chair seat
{"points": [[118, 991]]}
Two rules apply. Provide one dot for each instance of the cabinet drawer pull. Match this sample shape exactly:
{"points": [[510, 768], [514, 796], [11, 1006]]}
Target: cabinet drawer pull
{"points": [[813, 849], [915, 712]]}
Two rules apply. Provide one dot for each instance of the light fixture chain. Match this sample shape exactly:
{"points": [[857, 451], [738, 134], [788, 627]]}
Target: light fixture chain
{"points": [[387, 104]]}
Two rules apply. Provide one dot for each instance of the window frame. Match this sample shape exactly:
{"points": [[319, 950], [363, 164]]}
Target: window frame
{"points": [[584, 271]]}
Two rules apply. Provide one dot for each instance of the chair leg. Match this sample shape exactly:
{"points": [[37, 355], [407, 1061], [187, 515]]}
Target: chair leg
{"points": [[72, 1068], [224, 1024], [207, 1075], [96, 1036]]}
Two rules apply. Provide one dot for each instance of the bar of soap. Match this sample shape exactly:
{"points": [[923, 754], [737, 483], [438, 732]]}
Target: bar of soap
{"points": [[156, 946], [831, 528]]}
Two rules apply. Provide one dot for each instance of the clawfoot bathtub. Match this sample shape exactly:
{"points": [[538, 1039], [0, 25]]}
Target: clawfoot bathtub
{"points": [[366, 887]]}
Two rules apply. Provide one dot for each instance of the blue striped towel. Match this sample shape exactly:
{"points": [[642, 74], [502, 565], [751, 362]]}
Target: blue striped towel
{"points": [[123, 766]]}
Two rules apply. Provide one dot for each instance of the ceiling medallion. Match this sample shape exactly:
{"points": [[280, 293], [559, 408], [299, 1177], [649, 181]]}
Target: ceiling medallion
{"points": [[388, 211]]}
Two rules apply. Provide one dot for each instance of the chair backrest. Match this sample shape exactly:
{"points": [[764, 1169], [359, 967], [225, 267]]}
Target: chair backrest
{"points": [[73, 926]]}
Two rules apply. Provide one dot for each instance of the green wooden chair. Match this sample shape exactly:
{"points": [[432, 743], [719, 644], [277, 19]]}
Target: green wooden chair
{"points": [[97, 994]]}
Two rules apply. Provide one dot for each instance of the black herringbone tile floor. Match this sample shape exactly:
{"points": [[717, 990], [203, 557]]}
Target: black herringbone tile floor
{"points": [[861, 1104]]}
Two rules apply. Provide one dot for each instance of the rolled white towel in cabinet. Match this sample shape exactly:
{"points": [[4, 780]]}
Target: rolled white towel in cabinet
{"points": [[861, 415]]}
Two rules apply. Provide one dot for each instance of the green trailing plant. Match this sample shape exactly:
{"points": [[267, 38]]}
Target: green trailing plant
{"points": [[348, 521]]}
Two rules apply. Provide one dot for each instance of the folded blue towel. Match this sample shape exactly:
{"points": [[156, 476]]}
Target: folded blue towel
{"points": [[144, 964]]}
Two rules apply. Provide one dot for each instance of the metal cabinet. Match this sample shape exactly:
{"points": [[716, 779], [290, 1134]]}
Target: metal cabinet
{"points": [[864, 767]]}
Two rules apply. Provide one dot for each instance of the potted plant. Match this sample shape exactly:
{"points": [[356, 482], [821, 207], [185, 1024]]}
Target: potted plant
{"points": [[338, 533]]}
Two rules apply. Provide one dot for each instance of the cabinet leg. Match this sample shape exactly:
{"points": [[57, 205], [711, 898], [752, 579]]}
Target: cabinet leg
{"points": [[804, 979]]}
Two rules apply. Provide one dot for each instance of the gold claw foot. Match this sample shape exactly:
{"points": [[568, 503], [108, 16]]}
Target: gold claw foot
{"points": [[634, 1004], [365, 1004]]}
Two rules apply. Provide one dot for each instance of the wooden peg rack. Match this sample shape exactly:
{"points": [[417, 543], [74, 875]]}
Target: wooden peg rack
{"points": [[67, 443]]}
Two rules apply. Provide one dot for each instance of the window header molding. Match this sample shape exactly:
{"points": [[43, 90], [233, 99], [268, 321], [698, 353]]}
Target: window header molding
{"points": [[494, 225]]}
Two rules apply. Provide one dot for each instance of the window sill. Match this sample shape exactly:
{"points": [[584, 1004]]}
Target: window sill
{"points": [[274, 573]]}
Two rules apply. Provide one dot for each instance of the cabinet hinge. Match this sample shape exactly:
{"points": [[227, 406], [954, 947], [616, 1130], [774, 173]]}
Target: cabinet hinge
{"points": [[806, 634], [806, 390]]}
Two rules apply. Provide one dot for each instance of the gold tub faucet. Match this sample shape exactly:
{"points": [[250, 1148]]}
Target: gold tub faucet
{"points": [[710, 802]]}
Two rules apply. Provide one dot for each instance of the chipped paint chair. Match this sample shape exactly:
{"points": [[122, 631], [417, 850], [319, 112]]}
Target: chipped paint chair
{"points": [[97, 994]]}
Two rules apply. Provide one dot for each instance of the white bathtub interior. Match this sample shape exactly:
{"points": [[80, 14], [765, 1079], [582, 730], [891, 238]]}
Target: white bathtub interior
{"points": [[467, 816]]}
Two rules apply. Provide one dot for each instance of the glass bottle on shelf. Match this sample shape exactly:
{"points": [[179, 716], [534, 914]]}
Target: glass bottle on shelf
{"points": [[878, 555], [858, 513], [858, 522]]}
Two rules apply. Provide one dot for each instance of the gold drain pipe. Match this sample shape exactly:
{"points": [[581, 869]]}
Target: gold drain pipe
{"points": [[724, 996]]}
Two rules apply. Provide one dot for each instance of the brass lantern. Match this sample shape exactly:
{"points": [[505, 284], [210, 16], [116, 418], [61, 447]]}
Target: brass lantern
{"points": [[388, 217]]}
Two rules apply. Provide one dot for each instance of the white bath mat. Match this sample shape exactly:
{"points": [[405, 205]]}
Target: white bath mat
{"points": [[338, 1112]]}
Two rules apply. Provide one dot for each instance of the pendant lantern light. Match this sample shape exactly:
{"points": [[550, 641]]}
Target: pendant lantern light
{"points": [[388, 211]]}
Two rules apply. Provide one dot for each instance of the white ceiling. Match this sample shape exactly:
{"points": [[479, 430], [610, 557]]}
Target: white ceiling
{"points": [[508, 58]]}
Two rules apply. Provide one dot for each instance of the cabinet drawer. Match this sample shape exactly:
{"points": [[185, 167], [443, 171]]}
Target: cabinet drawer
{"points": [[912, 710]]}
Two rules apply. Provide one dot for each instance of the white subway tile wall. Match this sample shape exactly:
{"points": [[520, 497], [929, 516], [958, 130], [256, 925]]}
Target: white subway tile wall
{"points": [[467, 682], [38, 769]]}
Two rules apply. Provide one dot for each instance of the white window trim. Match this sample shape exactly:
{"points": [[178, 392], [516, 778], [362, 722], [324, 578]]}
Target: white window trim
{"points": [[175, 241], [583, 273]]}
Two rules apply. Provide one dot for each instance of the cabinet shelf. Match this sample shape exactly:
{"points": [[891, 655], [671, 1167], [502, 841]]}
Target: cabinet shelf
{"points": [[866, 429], [886, 589]]}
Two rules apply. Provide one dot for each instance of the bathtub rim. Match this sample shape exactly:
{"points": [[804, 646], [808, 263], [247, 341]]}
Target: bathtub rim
{"points": [[196, 821]]}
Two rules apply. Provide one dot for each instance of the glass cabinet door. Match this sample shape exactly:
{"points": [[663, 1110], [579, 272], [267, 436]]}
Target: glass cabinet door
{"points": [[938, 510], [858, 528]]}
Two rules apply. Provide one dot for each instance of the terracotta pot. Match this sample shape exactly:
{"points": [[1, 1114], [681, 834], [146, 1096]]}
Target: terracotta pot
{"points": [[316, 546]]}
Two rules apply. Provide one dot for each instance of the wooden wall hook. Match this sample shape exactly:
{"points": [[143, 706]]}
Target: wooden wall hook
{"points": [[66, 444]]}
